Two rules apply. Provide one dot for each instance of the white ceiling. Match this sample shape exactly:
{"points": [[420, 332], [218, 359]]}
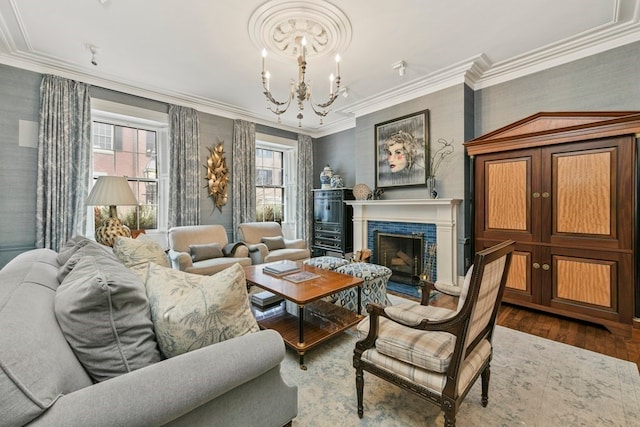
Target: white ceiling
{"points": [[199, 53]]}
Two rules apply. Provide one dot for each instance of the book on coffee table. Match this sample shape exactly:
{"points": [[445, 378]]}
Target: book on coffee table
{"points": [[300, 277], [281, 268], [265, 299]]}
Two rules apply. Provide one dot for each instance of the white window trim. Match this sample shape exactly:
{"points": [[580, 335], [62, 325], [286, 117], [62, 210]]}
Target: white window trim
{"points": [[128, 115], [289, 147]]}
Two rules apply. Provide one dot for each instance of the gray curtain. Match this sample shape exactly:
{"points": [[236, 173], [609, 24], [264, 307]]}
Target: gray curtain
{"points": [[304, 212], [64, 160], [244, 173], [185, 176]]}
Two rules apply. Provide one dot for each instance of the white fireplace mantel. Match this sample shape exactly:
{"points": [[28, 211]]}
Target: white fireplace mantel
{"points": [[441, 212]]}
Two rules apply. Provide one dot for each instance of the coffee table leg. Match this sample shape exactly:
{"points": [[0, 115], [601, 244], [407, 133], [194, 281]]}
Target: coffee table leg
{"points": [[301, 334], [359, 299]]}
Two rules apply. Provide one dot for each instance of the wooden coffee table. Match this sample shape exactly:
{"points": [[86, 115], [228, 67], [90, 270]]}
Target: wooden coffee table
{"points": [[317, 320]]}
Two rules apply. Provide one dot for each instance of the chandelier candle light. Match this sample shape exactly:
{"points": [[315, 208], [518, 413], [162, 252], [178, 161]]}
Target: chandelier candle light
{"points": [[300, 89]]}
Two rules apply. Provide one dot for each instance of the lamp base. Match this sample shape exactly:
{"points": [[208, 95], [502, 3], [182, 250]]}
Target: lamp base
{"points": [[112, 228]]}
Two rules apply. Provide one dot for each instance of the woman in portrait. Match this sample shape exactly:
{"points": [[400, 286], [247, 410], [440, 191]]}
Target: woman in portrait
{"points": [[403, 160]]}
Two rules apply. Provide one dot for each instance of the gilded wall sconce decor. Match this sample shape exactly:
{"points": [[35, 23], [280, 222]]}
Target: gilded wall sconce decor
{"points": [[217, 175]]}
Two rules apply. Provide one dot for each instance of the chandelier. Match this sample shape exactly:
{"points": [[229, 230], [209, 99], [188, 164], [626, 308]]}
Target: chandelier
{"points": [[300, 89]]}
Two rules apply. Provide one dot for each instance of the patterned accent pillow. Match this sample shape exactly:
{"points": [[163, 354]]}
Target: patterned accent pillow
{"points": [[103, 312], [207, 251], [190, 311], [141, 250], [273, 243]]}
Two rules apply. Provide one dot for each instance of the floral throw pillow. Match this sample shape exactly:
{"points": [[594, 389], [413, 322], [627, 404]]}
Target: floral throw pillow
{"points": [[139, 251], [190, 311]]}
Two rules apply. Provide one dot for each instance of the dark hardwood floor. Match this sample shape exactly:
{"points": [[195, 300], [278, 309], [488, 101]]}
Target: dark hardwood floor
{"points": [[562, 329]]}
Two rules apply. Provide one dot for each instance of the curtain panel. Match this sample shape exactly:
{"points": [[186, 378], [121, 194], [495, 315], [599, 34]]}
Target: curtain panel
{"points": [[184, 171], [304, 185], [64, 160], [244, 173]]}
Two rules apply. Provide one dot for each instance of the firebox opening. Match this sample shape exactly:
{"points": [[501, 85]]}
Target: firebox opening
{"points": [[402, 253]]}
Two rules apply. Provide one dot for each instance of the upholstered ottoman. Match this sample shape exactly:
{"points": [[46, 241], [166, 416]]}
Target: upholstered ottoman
{"points": [[374, 288], [327, 262]]}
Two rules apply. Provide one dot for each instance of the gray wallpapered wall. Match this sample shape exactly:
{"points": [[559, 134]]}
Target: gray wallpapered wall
{"points": [[606, 81]]}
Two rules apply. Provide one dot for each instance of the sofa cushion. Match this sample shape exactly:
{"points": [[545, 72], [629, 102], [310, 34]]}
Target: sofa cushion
{"points": [[207, 251], [141, 250], [190, 311], [103, 311], [274, 243]]}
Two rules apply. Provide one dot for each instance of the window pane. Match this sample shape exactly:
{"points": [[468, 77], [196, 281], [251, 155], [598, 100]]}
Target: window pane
{"points": [[269, 185], [133, 155]]}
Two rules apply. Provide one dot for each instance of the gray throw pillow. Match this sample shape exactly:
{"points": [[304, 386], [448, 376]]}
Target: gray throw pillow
{"points": [[91, 248], [273, 243], [71, 246], [103, 311], [191, 311], [206, 251]]}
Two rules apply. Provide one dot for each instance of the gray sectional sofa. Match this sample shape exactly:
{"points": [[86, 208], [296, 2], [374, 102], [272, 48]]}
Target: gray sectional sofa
{"points": [[232, 383]]}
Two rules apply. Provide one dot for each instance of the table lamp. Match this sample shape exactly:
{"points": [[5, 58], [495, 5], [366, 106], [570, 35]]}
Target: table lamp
{"points": [[111, 191]]}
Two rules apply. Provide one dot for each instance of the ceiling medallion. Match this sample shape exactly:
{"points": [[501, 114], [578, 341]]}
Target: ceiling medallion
{"points": [[277, 24]]}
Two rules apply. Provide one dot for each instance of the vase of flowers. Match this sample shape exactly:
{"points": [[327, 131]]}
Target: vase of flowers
{"points": [[445, 149]]}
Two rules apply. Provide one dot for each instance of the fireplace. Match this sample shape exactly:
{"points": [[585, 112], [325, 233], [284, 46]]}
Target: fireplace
{"points": [[402, 253], [407, 216]]}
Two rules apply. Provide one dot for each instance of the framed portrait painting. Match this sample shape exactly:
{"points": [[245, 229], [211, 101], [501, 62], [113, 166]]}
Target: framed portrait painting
{"points": [[402, 146]]}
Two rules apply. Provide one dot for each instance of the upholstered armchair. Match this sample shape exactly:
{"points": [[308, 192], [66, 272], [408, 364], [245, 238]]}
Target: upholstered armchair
{"points": [[204, 249], [266, 243], [435, 352]]}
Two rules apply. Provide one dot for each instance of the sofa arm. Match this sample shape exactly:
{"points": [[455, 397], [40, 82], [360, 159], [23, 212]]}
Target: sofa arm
{"points": [[258, 252], [180, 260], [160, 393], [295, 243]]}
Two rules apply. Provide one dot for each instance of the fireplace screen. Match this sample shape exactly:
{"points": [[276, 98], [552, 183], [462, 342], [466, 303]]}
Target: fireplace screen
{"points": [[402, 253]]}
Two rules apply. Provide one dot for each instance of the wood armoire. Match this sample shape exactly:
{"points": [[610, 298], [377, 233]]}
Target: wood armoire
{"points": [[564, 186]]}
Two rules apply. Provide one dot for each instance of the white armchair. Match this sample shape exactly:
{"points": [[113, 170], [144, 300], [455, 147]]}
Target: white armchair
{"points": [[204, 249], [266, 243]]}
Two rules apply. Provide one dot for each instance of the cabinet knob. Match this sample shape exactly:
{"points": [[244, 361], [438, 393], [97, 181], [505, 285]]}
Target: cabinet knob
{"points": [[536, 195], [545, 267], [545, 195], [536, 265]]}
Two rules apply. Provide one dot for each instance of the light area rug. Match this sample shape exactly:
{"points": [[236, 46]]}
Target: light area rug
{"points": [[534, 382]]}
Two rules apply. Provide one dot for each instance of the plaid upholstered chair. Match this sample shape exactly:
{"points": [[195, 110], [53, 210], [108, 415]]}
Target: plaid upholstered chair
{"points": [[435, 352]]}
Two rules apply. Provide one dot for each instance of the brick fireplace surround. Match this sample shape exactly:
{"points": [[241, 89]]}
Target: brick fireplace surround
{"points": [[441, 212]]}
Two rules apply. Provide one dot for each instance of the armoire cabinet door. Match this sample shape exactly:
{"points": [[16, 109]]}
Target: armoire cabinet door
{"points": [[585, 188], [587, 282], [508, 210]]}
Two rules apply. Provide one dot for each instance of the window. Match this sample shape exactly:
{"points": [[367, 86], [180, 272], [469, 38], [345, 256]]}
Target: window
{"points": [[275, 179], [270, 195], [131, 146]]}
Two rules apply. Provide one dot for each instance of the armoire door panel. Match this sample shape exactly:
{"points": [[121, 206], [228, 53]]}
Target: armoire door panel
{"points": [[587, 282], [508, 209], [507, 205], [589, 191]]}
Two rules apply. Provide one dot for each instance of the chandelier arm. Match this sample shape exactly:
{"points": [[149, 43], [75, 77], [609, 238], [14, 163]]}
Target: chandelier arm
{"points": [[277, 110]]}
